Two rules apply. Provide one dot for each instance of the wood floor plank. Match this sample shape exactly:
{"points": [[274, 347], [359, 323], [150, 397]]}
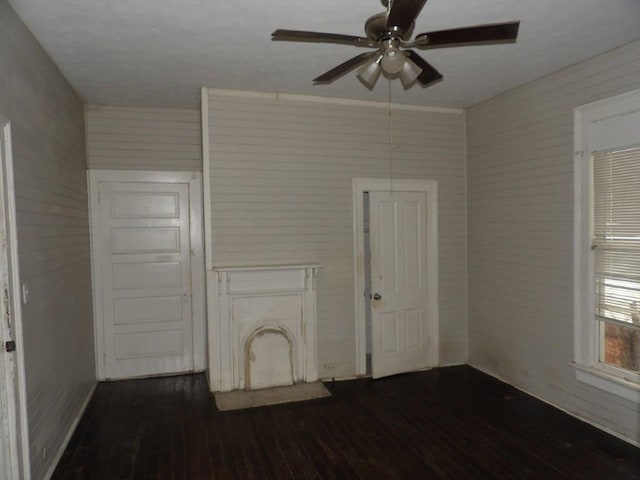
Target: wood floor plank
{"points": [[452, 423]]}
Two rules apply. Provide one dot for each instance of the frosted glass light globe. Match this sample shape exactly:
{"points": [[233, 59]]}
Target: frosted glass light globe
{"points": [[392, 61]]}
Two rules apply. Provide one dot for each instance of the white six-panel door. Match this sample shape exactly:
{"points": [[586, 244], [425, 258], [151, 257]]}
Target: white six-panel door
{"points": [[400, 320], [145, 275]]}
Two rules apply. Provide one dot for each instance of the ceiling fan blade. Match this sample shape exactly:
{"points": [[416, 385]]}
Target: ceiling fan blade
{"points": [[320, 37], [345, 67], [480, 34], [403, 13], [429, 74]]}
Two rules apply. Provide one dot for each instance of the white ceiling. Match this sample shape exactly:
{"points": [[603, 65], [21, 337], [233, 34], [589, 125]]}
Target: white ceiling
{"points": [[160, 52]]}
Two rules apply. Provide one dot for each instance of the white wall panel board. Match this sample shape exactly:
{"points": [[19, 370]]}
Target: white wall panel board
{"points": [[281, 173], [164, 139], [520, 197], [47, 122]]}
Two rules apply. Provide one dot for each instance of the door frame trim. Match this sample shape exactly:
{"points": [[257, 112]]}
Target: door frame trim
{"points": [[16, 391], [194, 179], [430, 189]]}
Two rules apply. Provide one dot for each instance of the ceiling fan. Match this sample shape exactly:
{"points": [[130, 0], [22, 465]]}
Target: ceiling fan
{"points": [[390, 33]]}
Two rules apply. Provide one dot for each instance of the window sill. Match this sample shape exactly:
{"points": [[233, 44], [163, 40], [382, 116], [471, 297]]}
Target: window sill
{"points": [[615, 385]]}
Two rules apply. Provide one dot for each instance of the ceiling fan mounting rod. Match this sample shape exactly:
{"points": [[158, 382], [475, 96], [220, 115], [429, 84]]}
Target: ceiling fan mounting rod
{"points": [[376, 28]]}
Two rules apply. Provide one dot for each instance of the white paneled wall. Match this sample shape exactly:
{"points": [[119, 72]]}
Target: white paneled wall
{"points": [[47, 123], [520, 214], [281, 171], [121, 138]]}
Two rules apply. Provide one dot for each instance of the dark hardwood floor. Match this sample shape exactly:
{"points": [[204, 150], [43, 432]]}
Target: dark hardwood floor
{"points": [[451, 423]]}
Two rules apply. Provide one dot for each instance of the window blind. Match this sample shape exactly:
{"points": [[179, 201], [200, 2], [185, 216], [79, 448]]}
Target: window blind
{"points": [[616, 234]]}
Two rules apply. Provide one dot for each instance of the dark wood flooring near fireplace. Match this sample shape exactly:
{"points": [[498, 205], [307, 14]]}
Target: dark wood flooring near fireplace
{"points": [[450, 423]]}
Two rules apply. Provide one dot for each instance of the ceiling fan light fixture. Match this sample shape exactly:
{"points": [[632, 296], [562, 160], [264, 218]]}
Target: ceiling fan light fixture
{"points": [[410, 72], [370, 73], [393, 60]]}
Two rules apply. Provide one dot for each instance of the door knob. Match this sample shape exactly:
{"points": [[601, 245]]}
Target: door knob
{"points": [[377, 296]]}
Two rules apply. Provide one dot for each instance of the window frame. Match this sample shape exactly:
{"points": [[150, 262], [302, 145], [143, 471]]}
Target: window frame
{"points": [[605, 124]]}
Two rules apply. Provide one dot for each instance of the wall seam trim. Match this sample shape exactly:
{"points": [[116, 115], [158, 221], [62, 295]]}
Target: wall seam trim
{"points": [[206, 178], [466, 225]]}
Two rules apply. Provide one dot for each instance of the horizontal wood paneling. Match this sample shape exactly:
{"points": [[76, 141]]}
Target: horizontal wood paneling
{"points": [[47, 122], [281, 175], [121, 138], [520, 211]]}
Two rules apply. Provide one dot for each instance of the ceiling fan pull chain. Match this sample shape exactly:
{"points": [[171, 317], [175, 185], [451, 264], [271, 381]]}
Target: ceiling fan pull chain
{"points": [[390, 135]]}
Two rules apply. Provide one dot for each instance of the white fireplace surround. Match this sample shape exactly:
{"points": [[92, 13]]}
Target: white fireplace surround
{"points": [[262, 326]]}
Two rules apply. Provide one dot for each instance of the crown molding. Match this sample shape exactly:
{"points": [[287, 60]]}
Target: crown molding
{"points": [[329, 100]]}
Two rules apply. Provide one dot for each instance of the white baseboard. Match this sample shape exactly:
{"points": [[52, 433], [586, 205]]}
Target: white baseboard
{"points": [[70, 432], [574, 415]]}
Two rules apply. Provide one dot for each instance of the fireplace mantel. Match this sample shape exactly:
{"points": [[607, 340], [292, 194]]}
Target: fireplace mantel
{"points": [[269, 303]]}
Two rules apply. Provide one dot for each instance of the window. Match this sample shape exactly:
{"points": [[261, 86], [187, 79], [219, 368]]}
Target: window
{"points": [[607, 245], [616, 251]]}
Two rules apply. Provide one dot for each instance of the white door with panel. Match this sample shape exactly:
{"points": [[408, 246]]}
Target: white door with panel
{"points": [[400, 319], [145, 278]]}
